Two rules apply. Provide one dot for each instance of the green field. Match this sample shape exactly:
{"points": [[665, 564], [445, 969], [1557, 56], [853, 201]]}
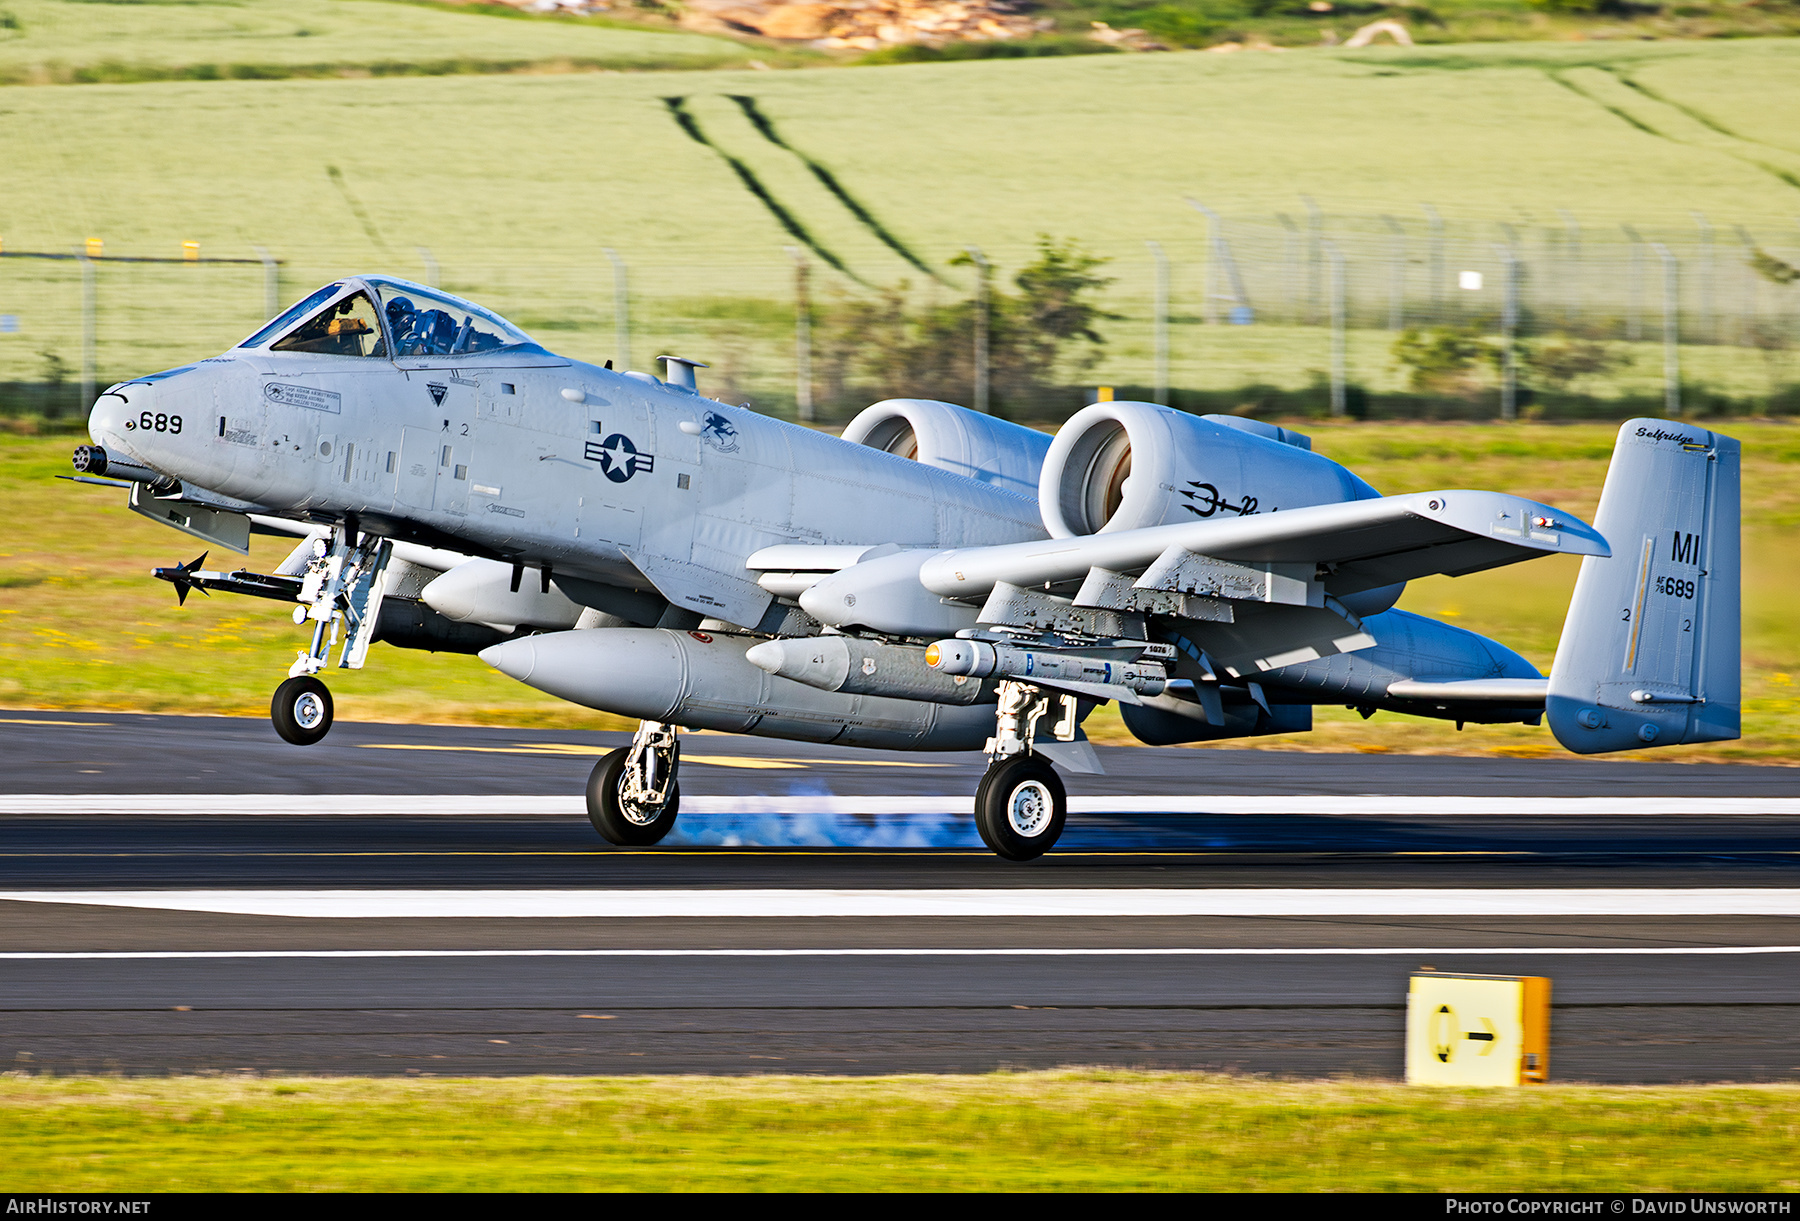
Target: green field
{"points": [[1048, 1131], [82, 625], [515, 184], [86, 41], [1103, 148]]}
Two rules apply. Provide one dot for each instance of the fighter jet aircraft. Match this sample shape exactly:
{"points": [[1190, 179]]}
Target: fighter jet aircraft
{"points": [[936, 579]]}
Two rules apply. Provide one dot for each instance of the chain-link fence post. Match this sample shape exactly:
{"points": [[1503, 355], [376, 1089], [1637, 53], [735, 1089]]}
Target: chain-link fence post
{"points": [[981, 329], [271, 283], [1396, 274], [1162, 322], [803, 390], [1210, 294], [1671, 331], [1437, 262], [1291, 265], [1509, 327], [1708, 330], [1634, 286], [1746, 312], [89, 331], [1339, 353], [1315, 238], [1572, 302], [621, 310]]}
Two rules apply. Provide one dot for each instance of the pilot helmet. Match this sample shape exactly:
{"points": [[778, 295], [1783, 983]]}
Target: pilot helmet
{"points": [[399, 311]]}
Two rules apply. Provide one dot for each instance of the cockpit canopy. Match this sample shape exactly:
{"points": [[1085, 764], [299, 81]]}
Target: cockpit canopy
{"points": [[381, 317]]}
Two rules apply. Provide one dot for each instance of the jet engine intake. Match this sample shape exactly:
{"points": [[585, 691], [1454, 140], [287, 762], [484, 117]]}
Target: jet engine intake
{"points": [[954, 439], [1123, 465]]}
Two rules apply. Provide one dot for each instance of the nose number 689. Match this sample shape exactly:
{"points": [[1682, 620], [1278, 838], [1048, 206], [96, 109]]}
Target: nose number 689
{"points": [[159, 422]]}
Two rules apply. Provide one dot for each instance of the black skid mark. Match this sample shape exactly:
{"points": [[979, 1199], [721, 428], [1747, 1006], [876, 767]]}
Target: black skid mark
{"points": [[686, 121], [766, 127], [356, 208]]}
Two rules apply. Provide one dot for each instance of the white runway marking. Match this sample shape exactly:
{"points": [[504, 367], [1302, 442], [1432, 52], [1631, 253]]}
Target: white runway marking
{"points": [[574, 806], [564, 904], [1203, 952]]}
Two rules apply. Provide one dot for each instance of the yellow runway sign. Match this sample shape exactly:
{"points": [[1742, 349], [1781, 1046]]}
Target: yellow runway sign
{"points": [[1477, 1029]]}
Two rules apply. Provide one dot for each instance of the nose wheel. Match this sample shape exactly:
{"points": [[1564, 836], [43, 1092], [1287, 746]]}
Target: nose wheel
{"points": [[1020, 807], [301, 710]]}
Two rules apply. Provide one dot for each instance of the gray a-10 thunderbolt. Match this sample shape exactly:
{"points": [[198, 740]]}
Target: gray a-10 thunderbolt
{"points": [[935, 579]]}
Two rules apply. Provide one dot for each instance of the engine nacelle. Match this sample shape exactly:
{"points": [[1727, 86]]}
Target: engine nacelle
{"points": [[954, 439], [1122, 466]]}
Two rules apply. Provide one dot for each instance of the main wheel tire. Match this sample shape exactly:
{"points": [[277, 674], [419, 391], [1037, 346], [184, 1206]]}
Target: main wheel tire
{"points": [[621, 822], [1020, 807], [301, 710]]}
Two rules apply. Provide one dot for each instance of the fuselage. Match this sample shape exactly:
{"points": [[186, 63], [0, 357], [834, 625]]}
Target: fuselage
{"points": [[521, 454], [426, 419]]}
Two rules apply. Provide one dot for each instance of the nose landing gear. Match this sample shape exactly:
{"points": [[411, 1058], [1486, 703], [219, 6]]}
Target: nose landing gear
{"points": [[340, 592]]}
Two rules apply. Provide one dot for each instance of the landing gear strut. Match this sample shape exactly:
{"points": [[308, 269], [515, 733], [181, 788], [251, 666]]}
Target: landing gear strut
{"points": [[632, 795], [1020, 805]]}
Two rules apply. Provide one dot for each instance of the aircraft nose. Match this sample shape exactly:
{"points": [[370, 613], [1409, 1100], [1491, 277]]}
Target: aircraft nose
{"points": [[113, 418]]}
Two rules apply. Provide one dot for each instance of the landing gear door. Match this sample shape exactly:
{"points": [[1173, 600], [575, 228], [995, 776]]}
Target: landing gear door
{"points": [[363, 607]]}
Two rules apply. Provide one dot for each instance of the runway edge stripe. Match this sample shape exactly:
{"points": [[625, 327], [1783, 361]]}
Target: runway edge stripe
{"points": [[888, 952], [969, 902], [957, 804]]}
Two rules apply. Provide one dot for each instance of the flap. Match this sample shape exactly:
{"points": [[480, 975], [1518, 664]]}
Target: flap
{"points": [[714, 594], [1269, 636]]}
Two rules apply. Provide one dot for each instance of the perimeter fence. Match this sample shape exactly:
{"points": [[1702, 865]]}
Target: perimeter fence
{"points": [[1305, 312]]}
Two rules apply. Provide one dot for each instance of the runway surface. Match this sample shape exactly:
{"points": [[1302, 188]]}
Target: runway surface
{"points": [[1269, 926]]}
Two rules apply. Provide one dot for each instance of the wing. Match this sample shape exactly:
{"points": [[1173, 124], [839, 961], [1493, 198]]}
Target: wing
{"points": [[1265, 591], [1354, 546]]}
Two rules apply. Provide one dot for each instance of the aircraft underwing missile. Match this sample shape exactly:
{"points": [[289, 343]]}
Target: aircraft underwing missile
{"points": [[1054, 666], [703, 681], [863, 667]]}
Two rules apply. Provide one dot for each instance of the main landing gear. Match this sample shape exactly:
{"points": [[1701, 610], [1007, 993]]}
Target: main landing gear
{"points": [[1020, 805], [632, 795]]}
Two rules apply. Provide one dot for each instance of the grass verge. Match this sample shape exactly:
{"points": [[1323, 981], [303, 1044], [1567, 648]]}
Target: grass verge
{"points": [[1069, 1130]]}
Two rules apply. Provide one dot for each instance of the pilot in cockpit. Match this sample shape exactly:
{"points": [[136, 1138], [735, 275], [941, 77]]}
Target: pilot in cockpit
{"points": [[417, 332]]}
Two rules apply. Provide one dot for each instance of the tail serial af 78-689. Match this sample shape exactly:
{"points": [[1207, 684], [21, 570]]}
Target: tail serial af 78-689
{"points": [[936, 579]]}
